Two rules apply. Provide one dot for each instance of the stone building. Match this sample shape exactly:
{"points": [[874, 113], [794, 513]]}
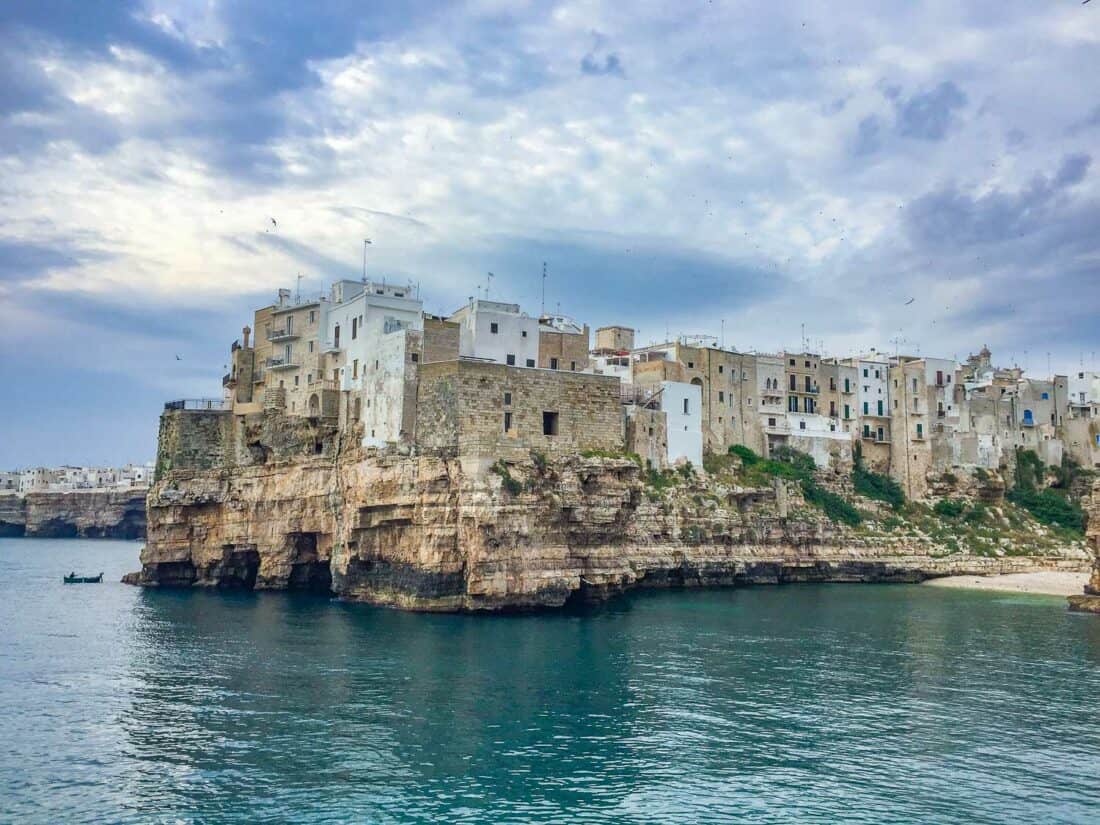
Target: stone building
{"points": [[485, 411], [563, 344]]}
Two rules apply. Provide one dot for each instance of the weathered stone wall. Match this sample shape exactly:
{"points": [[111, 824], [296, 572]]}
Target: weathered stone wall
{"points": [[461, 408], [571, 351], [440, 340], [647, 435], [193, 440]]}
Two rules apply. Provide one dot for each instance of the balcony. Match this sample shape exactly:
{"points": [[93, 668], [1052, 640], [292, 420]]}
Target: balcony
{"points": [[284, 334], [875, 438], [228, 380], [199, 404], [323, 384], [277, 364]]}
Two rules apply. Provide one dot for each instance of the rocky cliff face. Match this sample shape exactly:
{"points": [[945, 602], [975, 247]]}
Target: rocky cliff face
{"points": [[80, 513], [1089, 601], [439, 533]]}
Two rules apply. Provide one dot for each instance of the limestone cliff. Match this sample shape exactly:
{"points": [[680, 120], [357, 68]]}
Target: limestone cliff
{"points": [[435, 532], [1089, 601], [117, 514]]}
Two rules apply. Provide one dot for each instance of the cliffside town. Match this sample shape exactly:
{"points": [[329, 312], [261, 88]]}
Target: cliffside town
{"points": [[491, 459]]}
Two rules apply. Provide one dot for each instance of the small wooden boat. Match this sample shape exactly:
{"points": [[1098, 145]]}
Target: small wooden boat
{"points": [[72, 578]]}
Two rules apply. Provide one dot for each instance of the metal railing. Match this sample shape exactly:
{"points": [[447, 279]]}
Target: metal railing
{"points": [[204, 404], [280, 364], [280, 334]]}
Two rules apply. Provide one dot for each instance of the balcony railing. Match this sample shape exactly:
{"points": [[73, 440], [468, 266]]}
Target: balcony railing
{"points": [[323, 384], [281, 364], [203, 404], [281, 334]]}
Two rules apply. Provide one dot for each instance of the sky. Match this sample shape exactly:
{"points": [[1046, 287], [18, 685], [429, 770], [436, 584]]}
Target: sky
{"points": [[915, 177]]}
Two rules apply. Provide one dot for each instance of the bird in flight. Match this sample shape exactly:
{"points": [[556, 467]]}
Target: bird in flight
{"points": [[907, 303], [178, 358], [274, 224]]}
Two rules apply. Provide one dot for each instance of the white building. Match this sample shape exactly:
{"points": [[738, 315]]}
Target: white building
{"points": [[873, 398], [683, 407], [1084, 388], [498, 332], [359, 315]]}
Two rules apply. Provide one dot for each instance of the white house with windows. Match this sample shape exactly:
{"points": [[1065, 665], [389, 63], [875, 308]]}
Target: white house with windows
{"points": [[359, 315], [499, 332], [873, 397]]}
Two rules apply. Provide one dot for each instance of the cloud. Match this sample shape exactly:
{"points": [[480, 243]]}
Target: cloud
{"points": [[929, 115], [610, 65]]}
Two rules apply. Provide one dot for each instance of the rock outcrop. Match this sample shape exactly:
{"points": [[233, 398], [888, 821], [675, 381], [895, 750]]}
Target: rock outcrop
{"points": [[436, 532], [1089, 601], [116, 514]]}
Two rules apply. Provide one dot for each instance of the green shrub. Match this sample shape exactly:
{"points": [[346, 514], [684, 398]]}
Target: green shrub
{"points": [[835, 507], [1050, 508], [510, 484], [658, 479], [540, 461], [747, 456], [686, 471], [1029, 471], [981, 474], [949, 478], [948, 508], [877, 486], [977, 514]]}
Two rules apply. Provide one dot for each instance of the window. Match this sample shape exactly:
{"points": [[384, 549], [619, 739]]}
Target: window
{"points": [[524, 333], [864, 372], [807, 383], [881, 434], [807, 365], [880, 406], [939, 378], [792, 404], [309, 377], [771, 422], [792, 362], [510, 360], [847, 412], [832, 409], [794, 382], [914, 385], [1046, 396], [721, 397], [832, 383], [573, 366], [354, 328], [530, 362], [916, 405], [507, 399], [721, 369], [415, 357], [311, 346], [847, 386], [920, 431], [336, 337], [687, 406], [312, 315], [549, 423], [296, 380], [494, 327], [507, 422], [877, 375], [801, 425], [553, 363], [355, 368], [691, 365], [867, 430], [866, 409]]}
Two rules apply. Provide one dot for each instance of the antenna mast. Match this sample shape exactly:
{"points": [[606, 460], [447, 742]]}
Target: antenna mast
{"points": [[542, 306]]}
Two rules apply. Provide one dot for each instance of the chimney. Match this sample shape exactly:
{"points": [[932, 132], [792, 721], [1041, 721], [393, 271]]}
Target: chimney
{"points": [[284, 297], [245, 333]]}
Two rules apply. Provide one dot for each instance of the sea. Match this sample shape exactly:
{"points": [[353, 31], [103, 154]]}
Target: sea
{"points": [[799, 703]]}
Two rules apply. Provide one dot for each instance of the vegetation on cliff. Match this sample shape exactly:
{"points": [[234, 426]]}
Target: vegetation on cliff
{"points": [[1049, 505]]}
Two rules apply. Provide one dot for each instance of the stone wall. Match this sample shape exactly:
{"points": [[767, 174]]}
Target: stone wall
{"points": [[1089, 601], [647, 435], [462, 408], [570, 350], [440, 340], [193, 440]]}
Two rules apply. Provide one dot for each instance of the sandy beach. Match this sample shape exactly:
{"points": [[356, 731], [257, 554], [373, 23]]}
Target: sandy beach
{"points": [[1053, 583]]}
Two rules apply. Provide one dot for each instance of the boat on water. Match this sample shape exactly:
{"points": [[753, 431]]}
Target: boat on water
{"points": [[72, 578]]}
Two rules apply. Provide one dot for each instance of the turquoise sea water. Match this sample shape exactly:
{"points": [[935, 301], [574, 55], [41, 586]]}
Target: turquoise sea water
{"points": [[858, 703]]}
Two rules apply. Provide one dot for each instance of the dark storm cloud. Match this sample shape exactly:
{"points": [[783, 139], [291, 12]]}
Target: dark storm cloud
{"points": [[622, 278], [929, 115], [954, 219], [25, 261]]}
